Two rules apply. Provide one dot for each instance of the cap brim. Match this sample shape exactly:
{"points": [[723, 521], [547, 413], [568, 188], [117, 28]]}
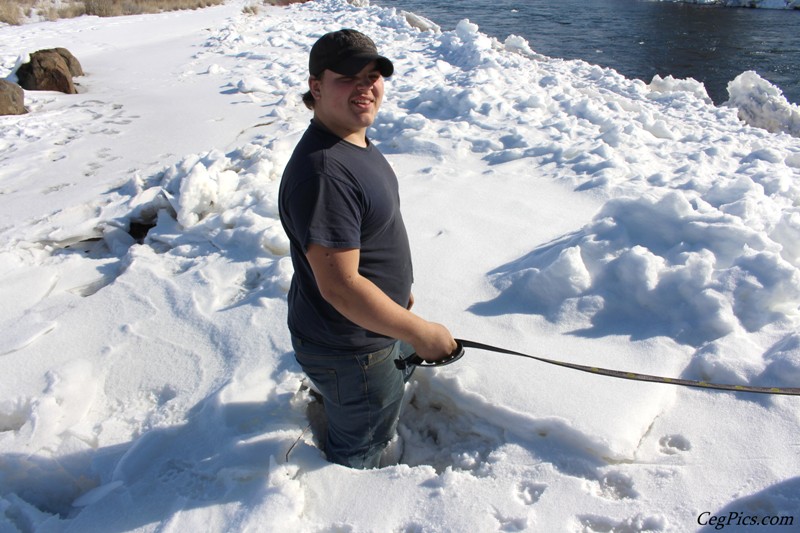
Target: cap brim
{"points": [[356, 63]]}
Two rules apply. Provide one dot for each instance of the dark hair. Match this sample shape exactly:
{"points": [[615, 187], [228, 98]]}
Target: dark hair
{"points": [[308, 100]]}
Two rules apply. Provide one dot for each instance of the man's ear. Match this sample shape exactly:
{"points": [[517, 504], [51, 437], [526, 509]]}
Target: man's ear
{"points": [[313, 86]]}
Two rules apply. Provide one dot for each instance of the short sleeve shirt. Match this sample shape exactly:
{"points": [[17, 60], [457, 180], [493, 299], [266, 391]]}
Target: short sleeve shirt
{"points": [[339, 195]]}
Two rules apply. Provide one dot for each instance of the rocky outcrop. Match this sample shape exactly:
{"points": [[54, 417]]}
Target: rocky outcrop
{"points": [[12, 99], [50, 70]]}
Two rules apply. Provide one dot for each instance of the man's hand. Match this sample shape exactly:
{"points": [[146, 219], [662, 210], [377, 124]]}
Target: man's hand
{"points": [[435, 343]]}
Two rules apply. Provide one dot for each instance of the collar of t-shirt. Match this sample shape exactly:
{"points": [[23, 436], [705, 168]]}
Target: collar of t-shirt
{"points": [[322, 127]]}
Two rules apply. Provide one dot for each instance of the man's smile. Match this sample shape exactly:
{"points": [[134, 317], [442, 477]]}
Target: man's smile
{"points": [[362, 101]]}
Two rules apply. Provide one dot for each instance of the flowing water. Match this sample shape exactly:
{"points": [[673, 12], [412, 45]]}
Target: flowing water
{"points": [[641, 38]]}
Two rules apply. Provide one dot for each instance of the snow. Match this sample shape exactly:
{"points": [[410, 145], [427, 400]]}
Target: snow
{"points": [[554, 207]]}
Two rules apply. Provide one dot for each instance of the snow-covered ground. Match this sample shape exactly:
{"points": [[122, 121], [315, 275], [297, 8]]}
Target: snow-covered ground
{"points": [[554, 207]]}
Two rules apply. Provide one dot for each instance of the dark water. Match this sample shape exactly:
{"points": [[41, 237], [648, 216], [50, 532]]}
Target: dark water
{"points": [[641, 38]]}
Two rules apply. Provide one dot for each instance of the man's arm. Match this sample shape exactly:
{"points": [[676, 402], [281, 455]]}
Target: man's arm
{"points": [[362, 302]]}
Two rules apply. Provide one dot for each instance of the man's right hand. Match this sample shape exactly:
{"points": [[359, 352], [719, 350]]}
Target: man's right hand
{"points": [[434, 342]]}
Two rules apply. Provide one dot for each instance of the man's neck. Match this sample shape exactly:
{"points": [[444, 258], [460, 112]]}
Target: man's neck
{"points": [[358, 138]]}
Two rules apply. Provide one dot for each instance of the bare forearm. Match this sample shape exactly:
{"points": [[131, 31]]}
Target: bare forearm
{"points": [[364, 304]]}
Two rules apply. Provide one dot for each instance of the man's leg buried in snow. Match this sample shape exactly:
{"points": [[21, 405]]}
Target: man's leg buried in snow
{"points": [[362, 395]]}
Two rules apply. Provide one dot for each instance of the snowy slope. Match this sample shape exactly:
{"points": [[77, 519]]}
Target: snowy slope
{"points": [[554, 207]]}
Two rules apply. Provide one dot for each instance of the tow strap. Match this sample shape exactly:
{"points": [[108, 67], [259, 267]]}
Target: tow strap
{"points": [[414, 359]]}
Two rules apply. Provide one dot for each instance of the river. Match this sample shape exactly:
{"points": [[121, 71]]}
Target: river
{"points": [[641, 38]]}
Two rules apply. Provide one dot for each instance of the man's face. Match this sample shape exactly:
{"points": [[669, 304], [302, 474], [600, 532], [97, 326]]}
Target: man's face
{"points": [[348, 105]]}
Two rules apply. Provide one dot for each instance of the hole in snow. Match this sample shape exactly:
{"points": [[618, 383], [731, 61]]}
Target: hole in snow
{"points": [[49, 484], [139, 230], [433, 429], [437, 432]]}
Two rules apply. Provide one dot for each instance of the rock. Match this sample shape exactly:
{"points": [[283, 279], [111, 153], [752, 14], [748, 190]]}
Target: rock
{"points": [[50, 70], [72, 62], [12, 99]]}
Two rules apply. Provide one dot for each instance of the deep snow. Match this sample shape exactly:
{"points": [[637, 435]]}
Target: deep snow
{"points": [[553, 206]]}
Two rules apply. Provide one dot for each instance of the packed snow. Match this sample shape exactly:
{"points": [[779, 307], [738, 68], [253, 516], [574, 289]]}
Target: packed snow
{"points": [[554, 207]]}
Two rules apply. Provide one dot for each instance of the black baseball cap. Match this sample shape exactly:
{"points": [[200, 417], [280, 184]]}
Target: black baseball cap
{"points": [[346, 52]]}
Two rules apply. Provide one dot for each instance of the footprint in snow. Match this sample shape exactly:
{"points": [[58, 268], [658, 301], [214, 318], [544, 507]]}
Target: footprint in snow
{"points": [[614, 486], [530, 492], [509, 523], [635, 524], [674, 444]]}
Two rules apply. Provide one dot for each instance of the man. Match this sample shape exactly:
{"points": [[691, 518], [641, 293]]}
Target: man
{"points": [[350, 298]]}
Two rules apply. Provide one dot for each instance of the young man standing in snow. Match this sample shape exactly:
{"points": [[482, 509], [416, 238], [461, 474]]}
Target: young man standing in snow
{"points": [[350, 298]]}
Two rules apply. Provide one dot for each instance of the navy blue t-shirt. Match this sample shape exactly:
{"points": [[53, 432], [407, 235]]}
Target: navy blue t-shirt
{"points": [[339, 195]]}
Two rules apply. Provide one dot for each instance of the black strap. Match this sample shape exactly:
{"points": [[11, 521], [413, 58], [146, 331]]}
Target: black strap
{"points": [[414, 359]]}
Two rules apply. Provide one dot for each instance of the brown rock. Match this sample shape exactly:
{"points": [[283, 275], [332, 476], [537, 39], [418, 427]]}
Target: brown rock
{"points": [[12, 99], [49, 70], [72, 62]]}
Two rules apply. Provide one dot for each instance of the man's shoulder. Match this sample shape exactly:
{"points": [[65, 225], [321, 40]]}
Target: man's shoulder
{"points": [[308, 154], [314, 140], [320, 153]]}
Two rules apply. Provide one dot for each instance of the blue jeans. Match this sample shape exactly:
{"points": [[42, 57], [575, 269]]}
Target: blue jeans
{"points": [[362, 395]]}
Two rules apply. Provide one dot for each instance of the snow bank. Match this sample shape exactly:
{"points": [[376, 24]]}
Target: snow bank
{"points": [[763, 105]]}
